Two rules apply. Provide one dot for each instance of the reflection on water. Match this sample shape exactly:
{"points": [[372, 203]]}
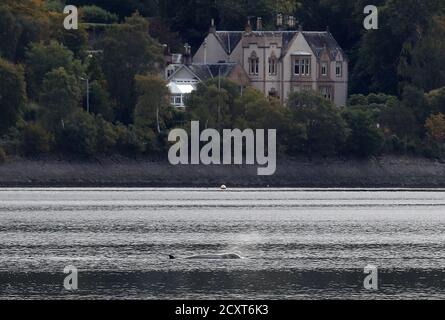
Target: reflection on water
{"points": [[305, 244]]}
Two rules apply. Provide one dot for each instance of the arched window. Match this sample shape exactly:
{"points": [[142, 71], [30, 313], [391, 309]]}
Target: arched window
{"points": [[273, 61], [254, 64]]}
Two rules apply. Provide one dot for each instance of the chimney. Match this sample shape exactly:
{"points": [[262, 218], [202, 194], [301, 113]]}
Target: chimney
{"points": [[248, 28], [187, 54], [167, 54], [291, 22], [259, 24], [279, 21], [212, 26]]}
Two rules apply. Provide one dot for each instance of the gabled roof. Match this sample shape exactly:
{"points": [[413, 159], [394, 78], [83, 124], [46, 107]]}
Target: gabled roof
{"points": [[205, 72], [319, 41], [229, 39], [210, 71]]}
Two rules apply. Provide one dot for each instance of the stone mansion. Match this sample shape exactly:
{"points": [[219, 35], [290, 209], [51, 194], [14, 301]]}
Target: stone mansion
{"points": [[275, 62]]}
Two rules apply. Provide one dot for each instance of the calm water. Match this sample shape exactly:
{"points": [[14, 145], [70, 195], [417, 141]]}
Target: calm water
{"points": [[298, 244]]}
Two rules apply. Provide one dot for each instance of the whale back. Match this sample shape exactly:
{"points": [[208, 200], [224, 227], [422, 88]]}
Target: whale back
{"points": [[224, 256]]}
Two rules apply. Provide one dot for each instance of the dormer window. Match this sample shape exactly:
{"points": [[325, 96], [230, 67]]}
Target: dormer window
{"points": [[273, 65], [254, 64], [324, 69]]}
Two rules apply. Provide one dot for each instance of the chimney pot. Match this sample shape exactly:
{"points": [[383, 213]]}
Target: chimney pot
{"points": [[248, 28], [279, 20], [212, 28], [259, 24]]}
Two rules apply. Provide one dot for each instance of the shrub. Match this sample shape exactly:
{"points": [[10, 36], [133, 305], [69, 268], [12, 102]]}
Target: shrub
{"points": [[130, 140], [2, 155], [79, 134], [364, 139], [95, 14], [35, 140], [107, 135]]}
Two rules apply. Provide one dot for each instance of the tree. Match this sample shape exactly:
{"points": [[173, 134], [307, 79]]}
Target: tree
{"points": [[435, 126], [436, 100], [128, 50], [36, 140], [153, 102], [60, 97], [422, 62], [209, 104], [385, 53], [79, 134], [100, 102], [95, 14], [43, 58], [364, 138], [21, 22], [255, 111], [12, 94], [325, 129]]}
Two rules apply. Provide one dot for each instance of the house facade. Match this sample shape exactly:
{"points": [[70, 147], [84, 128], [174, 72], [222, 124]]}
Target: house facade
{"points": [[281, 62], [183, 78]]}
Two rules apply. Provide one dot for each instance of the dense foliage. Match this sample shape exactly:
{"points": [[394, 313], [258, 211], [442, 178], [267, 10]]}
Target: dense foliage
{"points": [[397, 78]]}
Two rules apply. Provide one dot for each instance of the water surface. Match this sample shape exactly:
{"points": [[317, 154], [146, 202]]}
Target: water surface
{"points": [[297, 244]]}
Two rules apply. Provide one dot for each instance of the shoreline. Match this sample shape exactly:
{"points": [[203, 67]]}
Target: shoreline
{"points": [[385, 172]]}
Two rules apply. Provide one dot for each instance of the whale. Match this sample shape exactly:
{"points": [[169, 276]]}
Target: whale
{"points": [[223, 256]]}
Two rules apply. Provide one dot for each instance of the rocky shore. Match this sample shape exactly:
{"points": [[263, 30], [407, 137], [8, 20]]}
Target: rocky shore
{"points": [[388, 172]]}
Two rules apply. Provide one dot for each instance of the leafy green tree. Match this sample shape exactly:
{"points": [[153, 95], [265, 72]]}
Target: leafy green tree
{"points": [[21, 22], [435, 126], [153, 103], [79, 134], [42, 58], [36, 140], [128, 50], [107, 136], [325, 129], [399, 122], [382, 52], [100, 102], [436, 100], [2, 155], [60, 97], [95, 14], [259, 112], [210, 105], [422, 62], [415, 99], [364, 138], [12, 94]]}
